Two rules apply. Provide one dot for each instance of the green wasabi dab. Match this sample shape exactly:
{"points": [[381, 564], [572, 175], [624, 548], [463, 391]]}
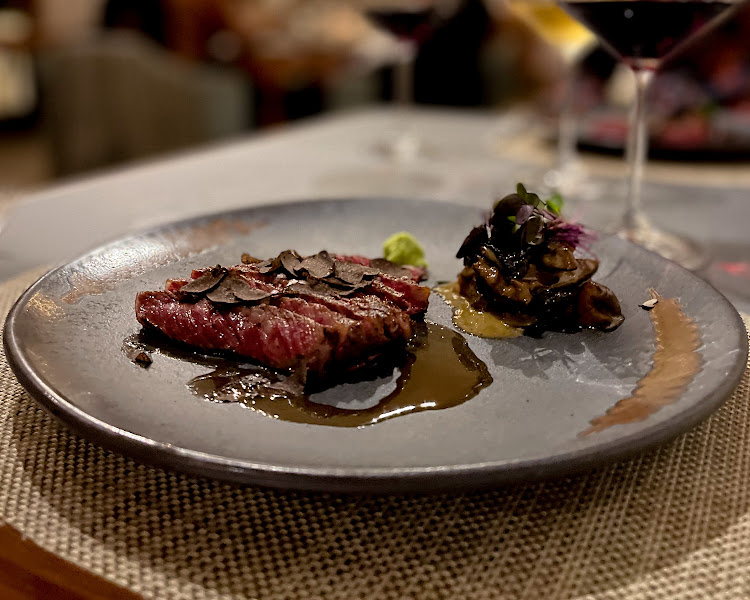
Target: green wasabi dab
{"points": [[403, 248]]}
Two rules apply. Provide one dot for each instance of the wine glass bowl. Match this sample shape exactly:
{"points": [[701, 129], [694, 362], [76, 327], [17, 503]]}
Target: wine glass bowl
{"points": [[645, 34], [407, 21]]}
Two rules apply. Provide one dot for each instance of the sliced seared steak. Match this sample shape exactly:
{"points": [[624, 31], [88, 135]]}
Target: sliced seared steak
{"points": [[319, 312]]}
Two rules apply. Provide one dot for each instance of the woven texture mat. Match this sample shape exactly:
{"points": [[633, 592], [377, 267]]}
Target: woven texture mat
{"points": [[674, 523]]}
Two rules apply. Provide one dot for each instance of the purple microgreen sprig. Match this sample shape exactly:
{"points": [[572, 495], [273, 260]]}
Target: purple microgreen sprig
{"points": [[540, 220], [573, 234]]}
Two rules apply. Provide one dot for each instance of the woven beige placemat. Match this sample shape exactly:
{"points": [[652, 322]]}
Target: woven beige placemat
{"points": [[672, 524]]}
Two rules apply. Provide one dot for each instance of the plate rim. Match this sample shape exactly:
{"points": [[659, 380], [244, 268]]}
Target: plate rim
{"points": [[352, 479]]}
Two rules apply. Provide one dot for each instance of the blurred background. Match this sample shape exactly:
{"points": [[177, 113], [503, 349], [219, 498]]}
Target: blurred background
{"points": [[91, 84]]}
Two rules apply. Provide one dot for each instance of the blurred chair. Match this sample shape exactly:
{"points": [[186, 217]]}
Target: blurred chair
{"points": [[120, 97]]}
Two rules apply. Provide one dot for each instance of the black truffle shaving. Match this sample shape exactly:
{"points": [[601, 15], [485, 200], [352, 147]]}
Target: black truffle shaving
{"points": [[381, 265], [290, 260], [247, 259], [247, 293], [206, 282], [268, 266], [223, 294], [349, 273], [318, 265], [316, 274], [234, 290]]}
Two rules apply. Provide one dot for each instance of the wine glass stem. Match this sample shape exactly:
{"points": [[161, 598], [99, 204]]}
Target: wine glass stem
{"points": [[567, 135], [403, 78], [405, 146], [637, 146]]}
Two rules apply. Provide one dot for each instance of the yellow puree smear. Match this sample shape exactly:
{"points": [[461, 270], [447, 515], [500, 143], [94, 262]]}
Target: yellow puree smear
{"points": [[475, 322]]}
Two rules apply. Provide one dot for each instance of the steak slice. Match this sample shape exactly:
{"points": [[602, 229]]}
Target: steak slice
{"points": [[273, 335], [290, 323]]}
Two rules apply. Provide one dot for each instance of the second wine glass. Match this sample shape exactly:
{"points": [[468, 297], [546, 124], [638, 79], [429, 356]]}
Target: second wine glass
{"points": [[572, 40], [645, 34], [412, 22]]}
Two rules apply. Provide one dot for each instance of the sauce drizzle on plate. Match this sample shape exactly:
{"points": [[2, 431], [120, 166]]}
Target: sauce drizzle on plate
{"points": [[676, 362]]}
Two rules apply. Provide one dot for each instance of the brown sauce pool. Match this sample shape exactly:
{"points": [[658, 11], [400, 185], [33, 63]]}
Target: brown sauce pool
{"points": [[438, 370], [676, 362]]}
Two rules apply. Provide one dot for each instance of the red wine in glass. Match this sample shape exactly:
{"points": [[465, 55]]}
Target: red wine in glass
{"points": [[413, 24], [646, 31], [643, 34]]}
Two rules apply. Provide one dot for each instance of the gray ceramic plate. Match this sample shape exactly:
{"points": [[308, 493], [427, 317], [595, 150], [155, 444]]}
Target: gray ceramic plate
{"points": [[63, 339]]}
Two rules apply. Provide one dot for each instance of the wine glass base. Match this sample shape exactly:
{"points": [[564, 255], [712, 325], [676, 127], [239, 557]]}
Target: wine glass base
{"points": [[405, 149], [573, 182], [683, 251]]}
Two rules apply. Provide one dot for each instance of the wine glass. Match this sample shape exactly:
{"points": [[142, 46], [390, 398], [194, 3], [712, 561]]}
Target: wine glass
{"points": [[572, 40], [398, 172], [412, 22], [645, 34]]}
